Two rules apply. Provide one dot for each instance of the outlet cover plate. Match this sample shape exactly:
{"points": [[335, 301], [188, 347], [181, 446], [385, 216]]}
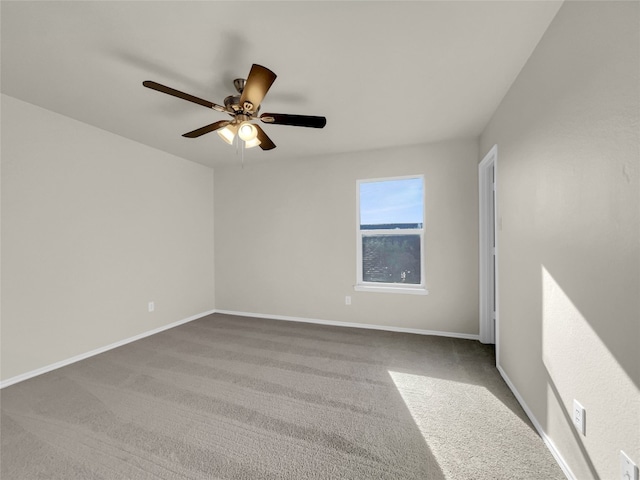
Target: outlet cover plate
{"points": [[579, 417], [628, 469]]}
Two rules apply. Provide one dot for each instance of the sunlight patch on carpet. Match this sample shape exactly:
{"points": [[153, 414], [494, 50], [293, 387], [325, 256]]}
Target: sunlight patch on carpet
{"points": [[455, 418]]}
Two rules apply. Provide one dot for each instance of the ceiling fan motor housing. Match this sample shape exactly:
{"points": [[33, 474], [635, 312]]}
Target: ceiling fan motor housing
{"points": [[232, 103]]}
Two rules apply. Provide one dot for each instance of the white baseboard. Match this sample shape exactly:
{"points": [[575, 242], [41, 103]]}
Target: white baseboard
{"points": [[547, 441], [77, 358], [466, 336], [82, 356]]}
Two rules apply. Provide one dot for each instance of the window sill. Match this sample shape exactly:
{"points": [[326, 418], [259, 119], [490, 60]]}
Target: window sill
{"points": [[388, 289]]}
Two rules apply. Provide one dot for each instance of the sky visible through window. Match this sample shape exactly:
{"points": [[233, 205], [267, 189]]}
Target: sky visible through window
{"points": [[391, 201]]}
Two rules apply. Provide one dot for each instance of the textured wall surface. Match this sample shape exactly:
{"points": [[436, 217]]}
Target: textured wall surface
{"points": [[286, 238], [569, 246], [94, 226]]}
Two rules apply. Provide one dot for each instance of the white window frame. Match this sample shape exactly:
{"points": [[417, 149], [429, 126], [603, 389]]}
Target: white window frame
{"points": [[361, 285]]}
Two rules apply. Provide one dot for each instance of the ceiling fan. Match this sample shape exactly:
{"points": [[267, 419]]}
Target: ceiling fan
{"points": [[243, 108]]}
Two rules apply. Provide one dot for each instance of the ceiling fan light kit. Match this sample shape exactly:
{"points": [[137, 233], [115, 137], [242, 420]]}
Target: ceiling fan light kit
{"points": [[243, 109], [247, 131], [228, 133], [252, 143]]}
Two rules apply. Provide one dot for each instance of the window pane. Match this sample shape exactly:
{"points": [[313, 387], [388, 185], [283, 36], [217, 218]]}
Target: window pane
{"points": [[391, 204], [391, 258]]}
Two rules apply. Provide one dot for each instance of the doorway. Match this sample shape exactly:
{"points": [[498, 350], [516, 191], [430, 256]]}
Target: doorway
{"points": [[488, 247]]}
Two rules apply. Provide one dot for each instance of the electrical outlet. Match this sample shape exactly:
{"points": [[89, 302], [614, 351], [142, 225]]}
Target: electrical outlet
{"points": [[152, 306], [628, 469], [579, 417], [347, 300]]}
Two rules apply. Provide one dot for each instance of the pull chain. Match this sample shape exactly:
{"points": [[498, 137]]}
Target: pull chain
{"points": [[240, 146]]}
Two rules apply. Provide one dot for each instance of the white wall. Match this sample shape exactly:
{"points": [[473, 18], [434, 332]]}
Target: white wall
{"points": [[93, 227], [568, 186], [286, 238]]}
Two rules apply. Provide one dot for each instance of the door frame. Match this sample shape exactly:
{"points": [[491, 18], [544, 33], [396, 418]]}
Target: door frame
{"points": [[488, 210]]}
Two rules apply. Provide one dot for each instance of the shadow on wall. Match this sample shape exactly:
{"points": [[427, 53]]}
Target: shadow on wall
{"points": [[569, 421], [600, 344], [598, 320], [579, 352]]}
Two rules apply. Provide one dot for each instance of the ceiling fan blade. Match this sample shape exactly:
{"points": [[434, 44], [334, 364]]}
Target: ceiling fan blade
{"points": [[184, 96], [294, 120], [257, 85], [265, 141], [207, 128]]}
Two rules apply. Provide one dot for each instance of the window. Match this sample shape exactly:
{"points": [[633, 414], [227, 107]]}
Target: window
{"points": [[391, 235]]}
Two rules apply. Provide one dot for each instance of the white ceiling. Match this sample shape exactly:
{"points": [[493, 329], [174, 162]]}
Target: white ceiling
{"points": [[383, 73]]}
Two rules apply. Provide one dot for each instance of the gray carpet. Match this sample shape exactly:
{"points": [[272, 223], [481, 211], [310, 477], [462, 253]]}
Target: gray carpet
{"points": [[244, 398]]}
